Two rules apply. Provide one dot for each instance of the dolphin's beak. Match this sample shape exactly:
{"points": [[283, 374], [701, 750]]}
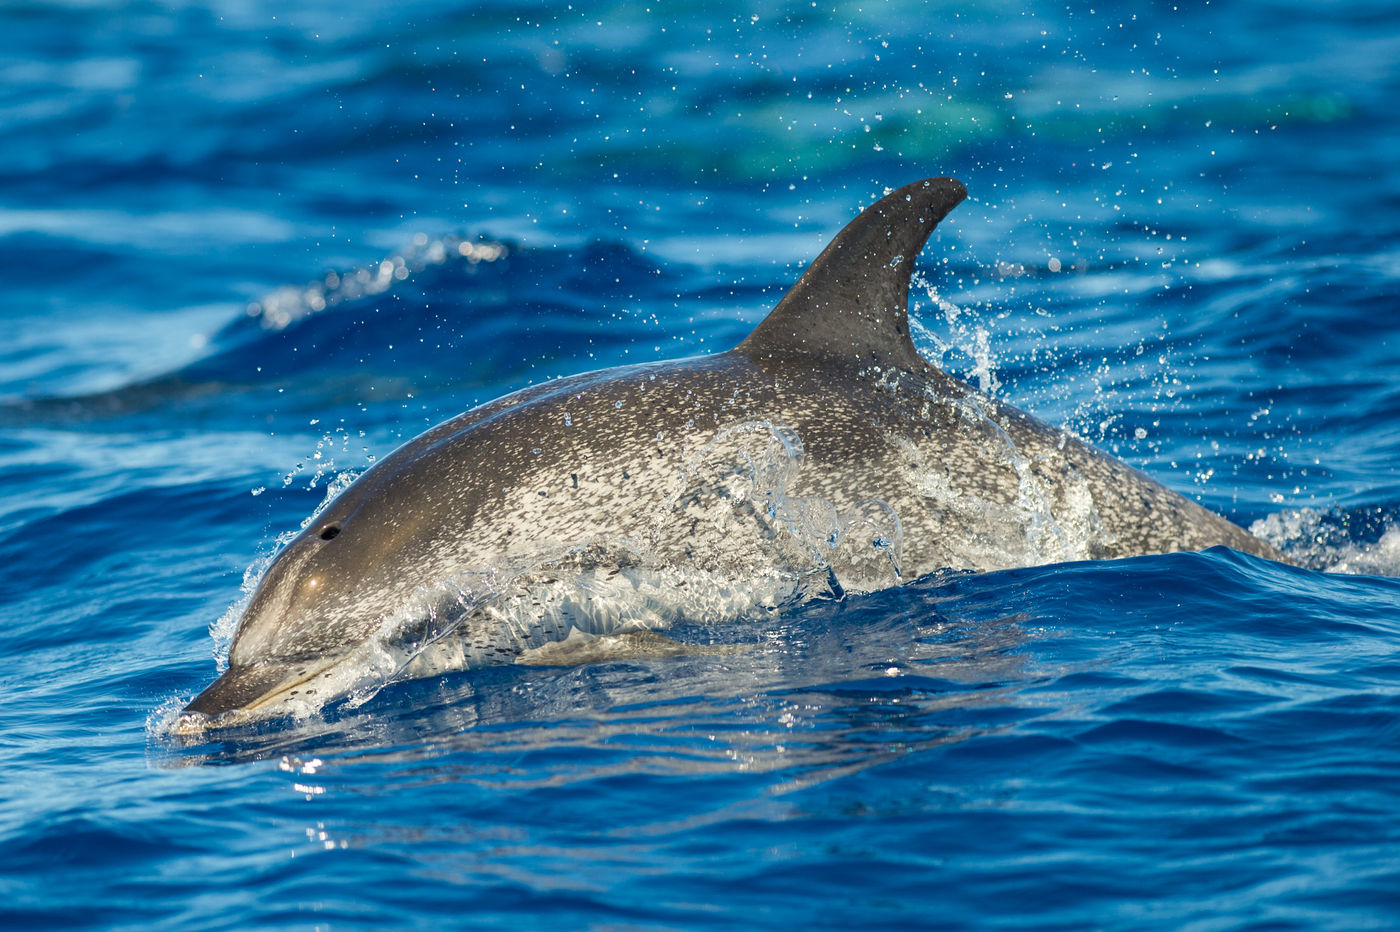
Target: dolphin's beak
{"points": [[244, 694]]}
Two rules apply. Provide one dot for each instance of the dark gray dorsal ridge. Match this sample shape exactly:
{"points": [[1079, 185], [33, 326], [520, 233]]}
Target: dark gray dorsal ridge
{"points": [[854, 299]]}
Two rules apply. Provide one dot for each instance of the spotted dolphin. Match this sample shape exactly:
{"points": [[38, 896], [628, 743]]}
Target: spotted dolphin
{"points": [[821, 448]]}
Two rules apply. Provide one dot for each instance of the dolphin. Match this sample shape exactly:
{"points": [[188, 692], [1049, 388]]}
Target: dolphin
{"points": [[822, 454]]}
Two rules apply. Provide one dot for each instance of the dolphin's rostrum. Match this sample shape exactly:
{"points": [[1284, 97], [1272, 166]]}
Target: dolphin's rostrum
{"points": [[821, 452]]}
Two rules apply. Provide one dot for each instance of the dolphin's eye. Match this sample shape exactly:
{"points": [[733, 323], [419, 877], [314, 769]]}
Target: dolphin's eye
{"points": [[330, 532]]}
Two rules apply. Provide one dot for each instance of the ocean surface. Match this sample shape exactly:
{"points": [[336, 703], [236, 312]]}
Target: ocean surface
{"points": [[247, 250]]}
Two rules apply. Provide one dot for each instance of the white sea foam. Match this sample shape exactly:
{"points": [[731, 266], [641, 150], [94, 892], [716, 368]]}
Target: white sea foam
{"points": [[1324, 540]]}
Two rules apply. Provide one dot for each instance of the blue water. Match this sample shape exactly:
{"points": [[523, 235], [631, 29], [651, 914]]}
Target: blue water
{"points": [[234, 269]]}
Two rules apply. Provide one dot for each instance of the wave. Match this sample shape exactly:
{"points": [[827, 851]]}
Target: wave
{"points": [[445, 315]]}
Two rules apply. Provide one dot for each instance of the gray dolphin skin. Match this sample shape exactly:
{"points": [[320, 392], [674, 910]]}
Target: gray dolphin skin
{"points": [[823, 450]]}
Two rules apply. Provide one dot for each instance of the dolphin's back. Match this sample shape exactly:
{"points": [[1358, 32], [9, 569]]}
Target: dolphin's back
{"points": [[973, 483]]}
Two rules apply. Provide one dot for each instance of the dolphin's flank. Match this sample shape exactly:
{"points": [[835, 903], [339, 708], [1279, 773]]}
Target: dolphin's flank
{"points": [[822, 451]]}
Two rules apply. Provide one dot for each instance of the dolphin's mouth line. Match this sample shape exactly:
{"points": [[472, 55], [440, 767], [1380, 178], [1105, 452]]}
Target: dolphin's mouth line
{"points": [[284, 687], [195, 721]]}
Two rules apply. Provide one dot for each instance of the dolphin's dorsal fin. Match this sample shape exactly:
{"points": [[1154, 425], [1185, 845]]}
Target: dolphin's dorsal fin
{"points": [[853, 301]]}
